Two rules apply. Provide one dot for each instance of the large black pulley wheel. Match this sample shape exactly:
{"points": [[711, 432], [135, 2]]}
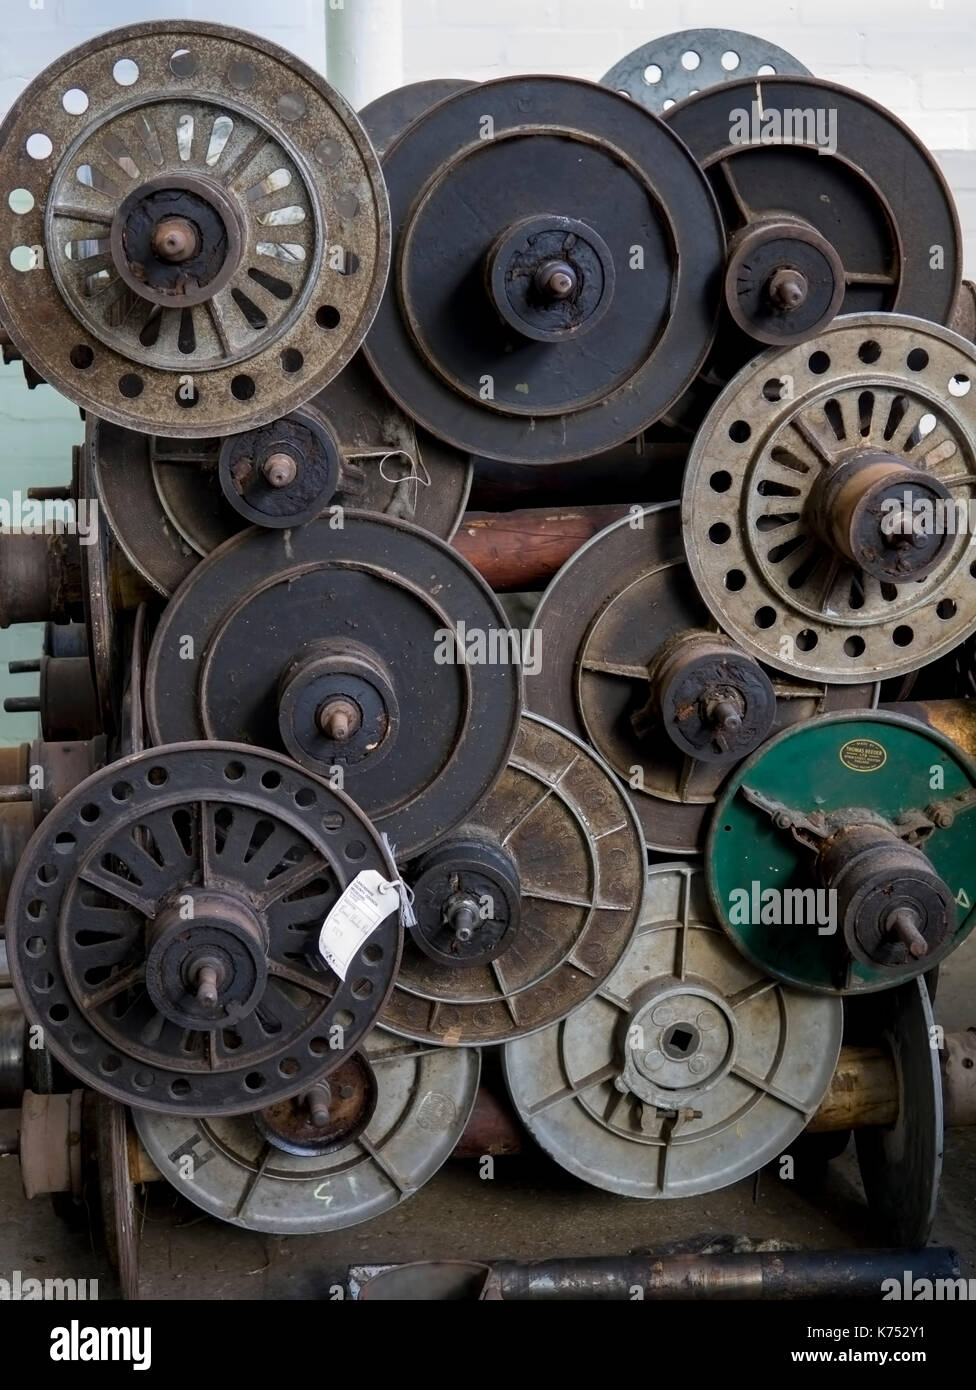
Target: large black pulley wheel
{"points": [[557, 266], [193, 225], [164, 927], [370, 651]]}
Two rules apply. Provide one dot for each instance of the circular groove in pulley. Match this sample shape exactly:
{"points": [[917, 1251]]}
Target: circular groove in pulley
{"points": [[674, 66], [595, 674], [574, 839], [770, 538], [486, 264], [165, 922], [425, 1096], [687, 1070], [342, 644], [163, 502], [210, 238], [857, 829]]}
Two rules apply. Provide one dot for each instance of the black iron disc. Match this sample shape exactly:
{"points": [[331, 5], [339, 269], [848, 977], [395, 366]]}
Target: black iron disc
{"points": [[386, 118], [557, 268]]}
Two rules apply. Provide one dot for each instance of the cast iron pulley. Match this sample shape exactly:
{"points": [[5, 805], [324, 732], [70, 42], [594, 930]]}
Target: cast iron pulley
{"points": [[839, 855], [828, 496], [687, 1070], [642, 675], [366, 648], [246, 1170], [555, 270], [679, 65], [198, 224], [574, 848], [831, 206], [465, 899], [387, 117], [164, 929], [170, 501]]}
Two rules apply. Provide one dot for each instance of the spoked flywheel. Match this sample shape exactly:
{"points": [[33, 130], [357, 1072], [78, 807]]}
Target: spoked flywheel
{"points": [[164, 929], [556, 270], [687, 1070], [348, 647], [827, 499], [650, 681], [201, 229], [524, 911]]}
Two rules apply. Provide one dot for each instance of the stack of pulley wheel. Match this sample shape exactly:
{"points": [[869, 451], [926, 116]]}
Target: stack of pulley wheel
{"points": [[509, 627]]}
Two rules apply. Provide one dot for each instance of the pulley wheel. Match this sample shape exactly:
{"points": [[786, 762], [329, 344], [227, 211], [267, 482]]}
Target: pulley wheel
{"points": [[344, 646], [827, 497], [675, 66], [901, 1164], [839, 856], [555, 272], [116, 1193], [387, 117], [201, 233], [571, 833], [166, 508], [831, 205], [612, 670], [687, 1070], [424, 1098], [164, 927]]}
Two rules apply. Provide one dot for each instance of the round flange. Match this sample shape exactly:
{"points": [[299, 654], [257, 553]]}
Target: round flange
{"points": [[328, 1116], [838, 183], [901, 1164], [116, 1193], [616, 673], [821, 468], [675, 66], [164, 929], [424, 1098], [527, 319], [374, 615], [281, 474], [205, 242], [784, 281], [573, 837], [387, 117], [166, 508], [687, 1070], [833, 863], [466, 898]]}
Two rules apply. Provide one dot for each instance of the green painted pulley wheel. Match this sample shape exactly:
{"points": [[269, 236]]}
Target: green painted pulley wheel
{"points": [[840, 854]]}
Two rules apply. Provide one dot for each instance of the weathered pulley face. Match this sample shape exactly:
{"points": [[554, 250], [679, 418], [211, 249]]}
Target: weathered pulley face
{"points": [[164, 929], [668, 705], [555, 284], [353, 647], [386, 118], [687, 1070], [831, 205], [166, 506], [827, 498], [675, 66], [281, 474], [424, 1096], [840, 855], [206, 240], [572, 836], [901, 1164]]}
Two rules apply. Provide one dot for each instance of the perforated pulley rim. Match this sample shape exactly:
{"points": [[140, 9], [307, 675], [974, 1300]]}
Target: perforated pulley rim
{"points": [[674, 80]]}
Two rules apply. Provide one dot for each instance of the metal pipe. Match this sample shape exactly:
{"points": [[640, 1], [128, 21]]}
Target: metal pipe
{"points": [[364, 48]]}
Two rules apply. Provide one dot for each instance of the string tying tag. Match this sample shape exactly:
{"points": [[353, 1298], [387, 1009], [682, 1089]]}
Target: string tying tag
{"points": [[408, 917]]}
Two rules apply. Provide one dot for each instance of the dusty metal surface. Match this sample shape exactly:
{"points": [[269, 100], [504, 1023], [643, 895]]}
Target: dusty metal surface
{"points": [[753, 501], [574, 839], [164, 929], [667, 69], [388, 116], [190, 218], [515, 323]]}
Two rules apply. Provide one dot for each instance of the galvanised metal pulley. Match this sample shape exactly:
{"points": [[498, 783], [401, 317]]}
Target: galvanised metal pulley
{"points": [[840, 855]]}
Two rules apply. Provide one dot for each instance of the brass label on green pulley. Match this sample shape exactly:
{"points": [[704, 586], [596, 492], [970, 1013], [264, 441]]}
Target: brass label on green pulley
{"points": [[863, 755]]}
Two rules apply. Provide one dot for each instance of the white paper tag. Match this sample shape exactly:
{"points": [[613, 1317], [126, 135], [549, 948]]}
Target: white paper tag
{"points": [[367, 902]]}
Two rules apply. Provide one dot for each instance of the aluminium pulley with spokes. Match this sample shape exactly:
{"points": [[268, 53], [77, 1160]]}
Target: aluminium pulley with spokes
{"points": [[164, 924], [196, 221], [554, 284], [523, 911], [827, 501]]}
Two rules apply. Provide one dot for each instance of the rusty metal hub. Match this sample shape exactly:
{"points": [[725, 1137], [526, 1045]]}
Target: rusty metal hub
{"points": [[177, 240], [337, 705], [466, 901], [283, 474], [784, 281], [327, 1117]]}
